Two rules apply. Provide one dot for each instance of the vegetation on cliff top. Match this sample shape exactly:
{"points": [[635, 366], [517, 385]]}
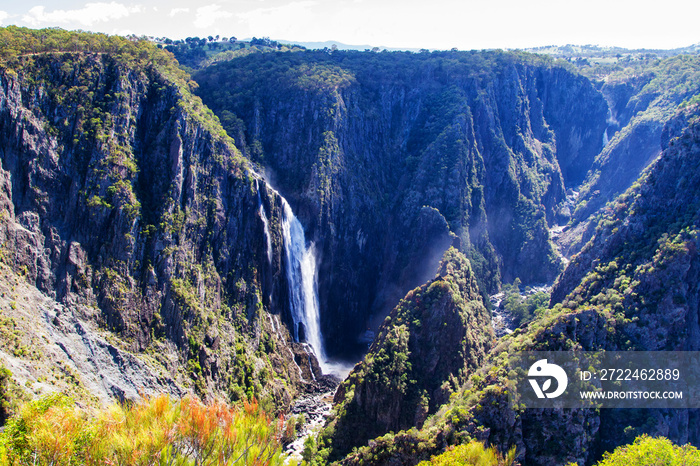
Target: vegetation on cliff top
{"points": [[195, 52], [598, 62], [259, 75], [18, 45]]}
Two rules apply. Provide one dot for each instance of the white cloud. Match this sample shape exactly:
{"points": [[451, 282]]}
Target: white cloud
{"points": [[3, 16], [393, 23], [90, 14], [176, 11], [208, 15], [298, 19]]}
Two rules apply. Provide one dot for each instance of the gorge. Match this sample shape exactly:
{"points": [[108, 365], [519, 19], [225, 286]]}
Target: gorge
{"points": [[143, 253]]}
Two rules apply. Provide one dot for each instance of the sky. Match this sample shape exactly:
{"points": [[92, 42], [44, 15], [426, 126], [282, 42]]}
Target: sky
{"points": [[431, 24]]}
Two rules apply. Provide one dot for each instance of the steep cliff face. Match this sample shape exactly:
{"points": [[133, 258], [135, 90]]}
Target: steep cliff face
{"points": [[426, 348], [642, 258], [123, 200], [390, 158], [641, 104], [635, 286]]}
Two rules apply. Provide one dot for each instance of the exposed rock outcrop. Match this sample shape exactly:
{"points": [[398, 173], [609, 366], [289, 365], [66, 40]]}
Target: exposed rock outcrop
{"points": [[426, 348]]}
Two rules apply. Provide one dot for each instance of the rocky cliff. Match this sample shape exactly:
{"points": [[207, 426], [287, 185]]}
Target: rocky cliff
{"points": [[641, 260], [390, 158], [426, 348], [641, 101], [633, 287], [125, 203]]}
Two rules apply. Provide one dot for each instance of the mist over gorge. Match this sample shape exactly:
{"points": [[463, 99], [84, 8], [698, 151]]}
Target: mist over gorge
{"points": [[241, 231]]}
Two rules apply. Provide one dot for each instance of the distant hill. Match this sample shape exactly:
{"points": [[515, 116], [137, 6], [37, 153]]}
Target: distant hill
{"points": [[595, 51], [341, 46]]}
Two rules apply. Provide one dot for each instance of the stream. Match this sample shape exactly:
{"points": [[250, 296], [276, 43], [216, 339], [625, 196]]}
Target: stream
{"points": [[503, 322], [315, 406]]}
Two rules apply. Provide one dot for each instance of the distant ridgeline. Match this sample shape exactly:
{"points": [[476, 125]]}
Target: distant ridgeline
{"points": [[194, 52], [143, 249]]}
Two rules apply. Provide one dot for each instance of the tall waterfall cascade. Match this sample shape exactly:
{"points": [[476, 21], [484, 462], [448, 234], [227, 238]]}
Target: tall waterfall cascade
{"points": [[302, 281], [303, 285]]}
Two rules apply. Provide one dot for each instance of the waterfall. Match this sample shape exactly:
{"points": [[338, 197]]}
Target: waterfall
{"points": [[302, 280], [612, 123], [265, 222]]}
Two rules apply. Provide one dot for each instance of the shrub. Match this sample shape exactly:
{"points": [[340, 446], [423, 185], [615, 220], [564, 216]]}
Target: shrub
{"points": [[472, 454], [648, 451], [155, 430]]}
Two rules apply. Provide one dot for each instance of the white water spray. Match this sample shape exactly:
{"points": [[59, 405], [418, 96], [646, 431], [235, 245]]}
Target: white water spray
{"points": [[303, 284]]}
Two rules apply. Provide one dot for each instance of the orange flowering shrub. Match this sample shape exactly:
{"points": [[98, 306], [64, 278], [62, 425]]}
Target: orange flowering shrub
{"points": [[153, 431]]}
